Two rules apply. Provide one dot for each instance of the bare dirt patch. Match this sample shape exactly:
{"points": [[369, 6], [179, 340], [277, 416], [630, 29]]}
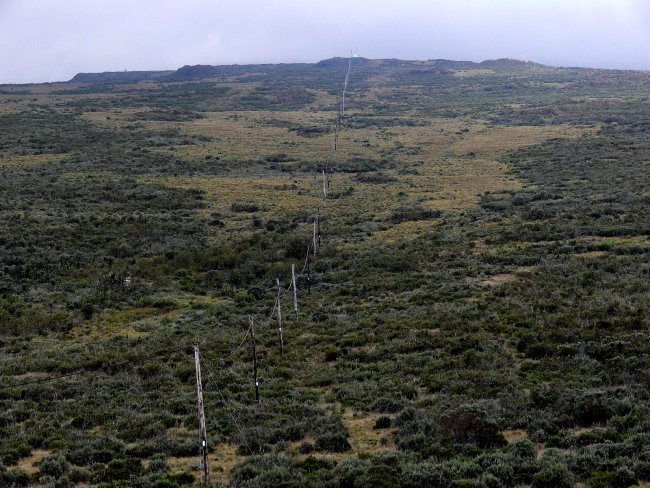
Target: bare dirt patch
{"points": [[30, 463], [499, 279]]}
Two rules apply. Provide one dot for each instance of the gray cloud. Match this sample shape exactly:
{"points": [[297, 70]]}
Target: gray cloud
{"points": [[47, 40]]}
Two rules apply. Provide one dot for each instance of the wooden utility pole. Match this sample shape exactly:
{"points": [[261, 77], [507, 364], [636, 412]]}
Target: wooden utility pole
{"points": [[257, 383], [336, 131], [279, 304], [345, 85], [318, 228], [308, 276], [295, 290], [324, 186], [203, 435], [314, 239]]}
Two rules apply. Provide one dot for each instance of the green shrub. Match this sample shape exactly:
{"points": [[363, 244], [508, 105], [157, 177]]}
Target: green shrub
{"points": [[311, 465], [463, 484], [348, 471], [416, 475], [306, 448], [332, 442], [53, 466], [553, 476], [383, 422], [469, 423], [14, 477], [623, 477], [183, 478], [378, 475], [523, 456], [121, 469]]}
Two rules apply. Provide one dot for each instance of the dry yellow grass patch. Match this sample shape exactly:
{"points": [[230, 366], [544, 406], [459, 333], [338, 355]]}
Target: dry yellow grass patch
{"points": [[249, 135], [487, 140], [456, 161], [459, 159], [460, 184], [435, 331], [448, 179], [275, 196], [32, 376], [362, 437], [619, 241], [403, 231], [499, 279], [31, 161], [122, 323], [222, 460], [514, 435], [591, 254], [322, 99], [364, 440], [30, 463], [460, 166], [467, 73], [480, 246], [374, 90], [102, 118], [183, 463]]}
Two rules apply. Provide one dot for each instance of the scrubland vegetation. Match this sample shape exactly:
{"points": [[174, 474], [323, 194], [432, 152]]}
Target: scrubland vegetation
{"points": [[479, 312]]}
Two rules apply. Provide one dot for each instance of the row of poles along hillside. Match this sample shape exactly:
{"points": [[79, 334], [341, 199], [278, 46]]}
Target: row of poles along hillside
{"points": [[276, 311]]}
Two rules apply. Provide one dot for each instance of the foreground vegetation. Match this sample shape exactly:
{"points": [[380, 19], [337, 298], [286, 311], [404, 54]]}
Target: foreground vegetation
{"points": [[479, 309]]}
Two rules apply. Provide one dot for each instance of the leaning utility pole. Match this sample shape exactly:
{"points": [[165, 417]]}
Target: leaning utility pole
{"points": [[295, 290], [279, 303], [257, 384], [203, 435]]}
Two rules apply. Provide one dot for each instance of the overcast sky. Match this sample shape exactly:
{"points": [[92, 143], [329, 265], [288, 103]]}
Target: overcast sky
{"points": [[47, 40]]}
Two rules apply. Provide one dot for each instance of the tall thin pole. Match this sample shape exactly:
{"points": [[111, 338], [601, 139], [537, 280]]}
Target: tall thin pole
{"points": [[295, 290], [336, 131], [314, 239], [279, 304], [308, 276], [324, 186], [318, 228], [203, 435], [345, 85], [257, 383]]}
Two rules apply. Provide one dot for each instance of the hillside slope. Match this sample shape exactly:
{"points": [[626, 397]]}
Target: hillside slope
{"points": [[477, 313]]}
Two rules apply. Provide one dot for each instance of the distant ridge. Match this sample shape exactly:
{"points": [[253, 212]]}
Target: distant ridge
{"points": [[119, 76], [510, 63], [201, 71]]}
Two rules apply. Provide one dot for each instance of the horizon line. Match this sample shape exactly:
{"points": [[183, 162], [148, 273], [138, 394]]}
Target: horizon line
{"points": [[356, 56]]}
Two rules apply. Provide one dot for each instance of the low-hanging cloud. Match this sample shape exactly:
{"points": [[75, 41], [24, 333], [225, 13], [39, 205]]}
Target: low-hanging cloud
{"points": [[48, 40]]}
